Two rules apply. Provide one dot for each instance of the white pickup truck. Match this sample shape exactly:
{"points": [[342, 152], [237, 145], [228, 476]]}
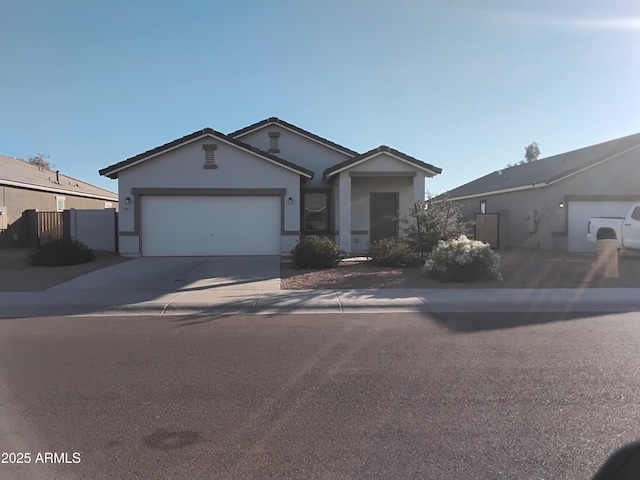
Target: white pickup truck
{"points": [[626, 230]]}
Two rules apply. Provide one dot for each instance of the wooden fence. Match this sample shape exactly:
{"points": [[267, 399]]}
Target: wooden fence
{"points": [[50, 226], [487, 228], [36, 228]]}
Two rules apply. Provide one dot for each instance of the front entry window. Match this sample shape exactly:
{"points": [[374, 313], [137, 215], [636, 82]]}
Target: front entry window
{"points": [[315, 213]]}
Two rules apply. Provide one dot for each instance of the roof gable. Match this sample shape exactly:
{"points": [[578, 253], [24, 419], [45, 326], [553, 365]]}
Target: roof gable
{"points": [[546, 171], [19, 173], [403, 157], [113, 170], [292, 128]]}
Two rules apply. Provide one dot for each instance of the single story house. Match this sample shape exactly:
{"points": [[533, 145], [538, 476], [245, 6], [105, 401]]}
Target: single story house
{"points": [[25, 186], [547, 203], [255, 191]]}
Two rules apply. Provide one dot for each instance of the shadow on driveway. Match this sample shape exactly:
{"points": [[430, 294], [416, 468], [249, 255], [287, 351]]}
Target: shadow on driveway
{"points": [[153, 284]]}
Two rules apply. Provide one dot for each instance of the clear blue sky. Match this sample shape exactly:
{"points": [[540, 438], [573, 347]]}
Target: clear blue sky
{"points": [[464, 85]]}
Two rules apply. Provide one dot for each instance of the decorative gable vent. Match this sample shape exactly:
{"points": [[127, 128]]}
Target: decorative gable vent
{"points": [[209, 155], [274, 148]]}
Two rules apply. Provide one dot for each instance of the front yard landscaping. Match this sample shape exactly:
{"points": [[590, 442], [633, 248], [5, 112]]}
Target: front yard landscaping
{"points": [[520, 268]]}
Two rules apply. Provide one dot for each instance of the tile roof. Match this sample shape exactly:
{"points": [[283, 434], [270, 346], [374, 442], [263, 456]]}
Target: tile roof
{"points": [[282, 123], [383, 148], [112, 171], [18, 173], [545, 170]]}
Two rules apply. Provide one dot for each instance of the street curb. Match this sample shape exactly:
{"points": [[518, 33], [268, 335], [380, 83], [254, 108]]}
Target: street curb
{"points": [[428, 307]]}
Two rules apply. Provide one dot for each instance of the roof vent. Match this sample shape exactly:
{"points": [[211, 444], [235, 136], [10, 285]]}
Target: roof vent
{"points": [[273, 142], [209, 155]]}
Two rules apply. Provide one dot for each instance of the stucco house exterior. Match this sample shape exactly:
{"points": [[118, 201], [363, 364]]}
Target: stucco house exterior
{"points": [[547, 203], [257, 190], [24, 186]]}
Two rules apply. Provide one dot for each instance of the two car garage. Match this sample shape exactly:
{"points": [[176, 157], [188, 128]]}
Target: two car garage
{"points": [[192, 225], [207, 194]]}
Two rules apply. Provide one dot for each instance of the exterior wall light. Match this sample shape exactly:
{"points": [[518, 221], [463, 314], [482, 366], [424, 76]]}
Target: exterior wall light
{"points": [[561, 205], [127, 200], [290, 201]]}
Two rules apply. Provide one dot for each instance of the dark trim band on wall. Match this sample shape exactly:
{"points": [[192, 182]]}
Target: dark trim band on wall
{"points": [[359, 232], [210, 192], [291, 232], [383, 174]]}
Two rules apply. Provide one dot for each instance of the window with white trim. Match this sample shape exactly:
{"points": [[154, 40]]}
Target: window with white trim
{"points": [[59, 204]]}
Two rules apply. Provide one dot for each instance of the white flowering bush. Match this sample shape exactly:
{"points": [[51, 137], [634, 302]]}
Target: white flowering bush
{"points": [[462, 260]]}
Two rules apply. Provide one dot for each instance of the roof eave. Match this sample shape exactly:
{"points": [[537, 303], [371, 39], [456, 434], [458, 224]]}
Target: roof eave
{"points": [[42, 188], [548, 181], [113, 170], [331, 171], [297, 130]]}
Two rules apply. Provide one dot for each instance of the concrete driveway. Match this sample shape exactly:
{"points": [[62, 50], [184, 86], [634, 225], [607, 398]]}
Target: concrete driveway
{"points": [[181, 274]]}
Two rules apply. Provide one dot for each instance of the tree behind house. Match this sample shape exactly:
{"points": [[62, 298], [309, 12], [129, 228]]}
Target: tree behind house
{"points": [[531, 154], [41, 160]]}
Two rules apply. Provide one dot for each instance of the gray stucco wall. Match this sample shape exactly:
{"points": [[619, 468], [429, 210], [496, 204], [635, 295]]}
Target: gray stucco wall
{"points": [[297, 149], [614, 178], [184, 168], [361, 189]]}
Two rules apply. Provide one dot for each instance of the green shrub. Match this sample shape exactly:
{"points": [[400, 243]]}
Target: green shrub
{"points": [[316, 252], [438, 220], [393, 252], [462, 260], [62, 252]]}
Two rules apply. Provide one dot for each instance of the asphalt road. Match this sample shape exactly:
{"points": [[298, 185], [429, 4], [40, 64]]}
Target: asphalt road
{"points": [[452, 396]]}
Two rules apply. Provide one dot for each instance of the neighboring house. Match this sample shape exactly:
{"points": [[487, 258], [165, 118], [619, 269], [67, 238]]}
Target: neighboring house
{"points": [[547, 203], [257, 190], [25, 186]]}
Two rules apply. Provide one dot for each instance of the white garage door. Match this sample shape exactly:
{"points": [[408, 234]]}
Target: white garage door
{"points": [[579, 215], [200, 226]]}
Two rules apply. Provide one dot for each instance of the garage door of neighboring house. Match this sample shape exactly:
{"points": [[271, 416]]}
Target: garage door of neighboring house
{"points": [[578, 220], [210, 225]]}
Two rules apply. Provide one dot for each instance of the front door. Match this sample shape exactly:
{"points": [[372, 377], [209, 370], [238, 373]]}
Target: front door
{"points": [[383, 216]]}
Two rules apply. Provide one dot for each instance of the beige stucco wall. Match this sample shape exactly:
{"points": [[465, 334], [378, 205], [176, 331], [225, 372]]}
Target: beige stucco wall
{"points": [[183, 167], [17, 200]]}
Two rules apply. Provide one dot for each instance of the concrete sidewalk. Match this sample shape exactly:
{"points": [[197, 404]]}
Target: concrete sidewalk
{"points": [[230, 300]]}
